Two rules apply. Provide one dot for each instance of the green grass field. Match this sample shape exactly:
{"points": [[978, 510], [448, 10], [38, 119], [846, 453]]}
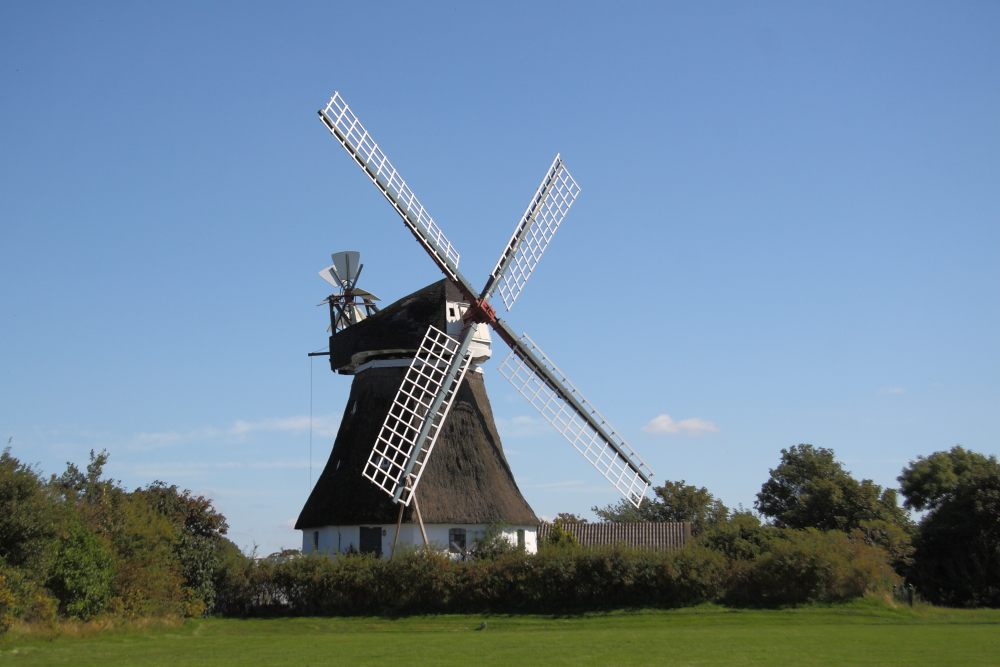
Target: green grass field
{"points": [[863, 633]]}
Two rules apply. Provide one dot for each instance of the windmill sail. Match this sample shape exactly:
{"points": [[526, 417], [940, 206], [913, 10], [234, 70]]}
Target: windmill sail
{"points": [[346, 127], [419, 409], [551, 393], [532, 235]]}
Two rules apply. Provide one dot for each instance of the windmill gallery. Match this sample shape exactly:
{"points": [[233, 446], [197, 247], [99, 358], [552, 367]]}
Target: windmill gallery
{"points": [[418, 418]]}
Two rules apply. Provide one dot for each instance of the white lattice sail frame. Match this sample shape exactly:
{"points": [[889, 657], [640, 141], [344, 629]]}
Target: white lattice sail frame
{"points": [[423, 381], [595, 446], [378, 167], [545, 212]]}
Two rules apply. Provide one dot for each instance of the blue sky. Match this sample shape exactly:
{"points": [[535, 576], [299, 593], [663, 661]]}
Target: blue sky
{"points": [[788, 229]]}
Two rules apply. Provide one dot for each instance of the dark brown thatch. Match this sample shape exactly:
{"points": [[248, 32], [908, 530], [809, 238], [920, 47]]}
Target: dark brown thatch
{"points": [[467, 479], [396, 329], [660, 536]]}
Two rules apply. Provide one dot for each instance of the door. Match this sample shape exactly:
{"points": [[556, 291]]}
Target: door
{"points": [[371, 540]]}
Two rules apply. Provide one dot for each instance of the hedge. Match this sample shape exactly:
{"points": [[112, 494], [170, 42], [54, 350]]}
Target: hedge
{"points": [[800, 566]]}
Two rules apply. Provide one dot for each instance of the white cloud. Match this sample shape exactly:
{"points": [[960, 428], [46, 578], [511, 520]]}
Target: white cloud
{"points": [[167, 470], [170, 438], [322, 426], [575, 482], [891, 390], [693, 426], [280, 464], [170, 470]]}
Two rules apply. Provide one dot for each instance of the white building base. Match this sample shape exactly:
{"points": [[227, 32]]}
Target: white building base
{"points": [[333, 540]]}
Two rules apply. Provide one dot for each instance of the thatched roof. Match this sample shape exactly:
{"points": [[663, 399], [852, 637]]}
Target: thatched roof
{"points": [[467, 479], [395, 330]]}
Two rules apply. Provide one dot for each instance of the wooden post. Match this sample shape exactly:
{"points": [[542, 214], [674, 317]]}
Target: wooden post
{"points": [[420, 519], [399, 522]]}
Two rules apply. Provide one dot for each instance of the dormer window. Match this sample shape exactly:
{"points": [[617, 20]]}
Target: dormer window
{"points": [[451, 312]]}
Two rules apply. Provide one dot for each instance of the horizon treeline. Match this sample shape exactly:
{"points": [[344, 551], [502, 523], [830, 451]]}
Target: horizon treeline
{"points": [[79, 546], [952, 555]]}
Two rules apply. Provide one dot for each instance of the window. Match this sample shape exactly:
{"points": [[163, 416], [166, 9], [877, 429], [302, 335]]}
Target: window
{"points": [[315, 540], [520, 540], [456, 540], [371, 540], [451, 312]]}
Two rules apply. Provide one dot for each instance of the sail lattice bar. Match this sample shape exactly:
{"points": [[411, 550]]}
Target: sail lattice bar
{"points": [[344, 125], [424, 380], [538, 225], [603, 447]]}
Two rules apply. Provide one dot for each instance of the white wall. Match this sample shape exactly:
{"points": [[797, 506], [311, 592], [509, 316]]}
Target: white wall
{"points": [[340, 539]]}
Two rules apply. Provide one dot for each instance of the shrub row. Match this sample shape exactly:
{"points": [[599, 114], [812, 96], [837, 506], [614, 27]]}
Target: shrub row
{"points": [[798, 566]]}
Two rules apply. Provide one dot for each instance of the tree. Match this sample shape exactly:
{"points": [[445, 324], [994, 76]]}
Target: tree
{"points": [[674, 501], [930, 481], [811, 489], [957, 549], [742, 537], [200, 529], [147, 572], [567, 517], [194, 514], [29, 516], [81, 543]]}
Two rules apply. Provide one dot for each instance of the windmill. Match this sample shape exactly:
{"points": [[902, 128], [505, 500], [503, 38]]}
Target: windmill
{"points": [[351, 304], [434, 374]]}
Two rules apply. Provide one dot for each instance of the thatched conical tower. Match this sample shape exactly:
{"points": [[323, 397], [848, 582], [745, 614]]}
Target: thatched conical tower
{"points": [[467, 485]]}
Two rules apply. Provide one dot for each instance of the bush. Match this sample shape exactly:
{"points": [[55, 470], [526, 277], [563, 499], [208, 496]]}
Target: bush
{"points": [[7, 603], [23, 599], [493, 543], [811, 566], [560, 538], [147, 573], [81, 572], [890, 538]]}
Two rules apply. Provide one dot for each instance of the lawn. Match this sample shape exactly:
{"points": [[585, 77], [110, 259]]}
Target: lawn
{"points": [[863, 633]]}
